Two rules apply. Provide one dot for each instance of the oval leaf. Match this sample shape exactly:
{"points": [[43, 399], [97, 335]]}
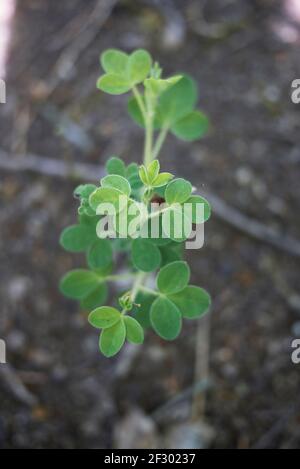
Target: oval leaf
{"points": [[192, 302], [113, 84], [95, 299], [173, 278], [199, 215], [100, 254], [134, 331], [178, 191], [77, 284], [106, 195], [116, 166], [77, 238], [192, 127], [166, 319], [145, 255], [117, 182], [114, 61], [112, 339], [178, 101], [104, 317], [139, 66]]}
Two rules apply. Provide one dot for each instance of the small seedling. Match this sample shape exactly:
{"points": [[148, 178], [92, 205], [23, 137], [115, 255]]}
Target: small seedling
{"points": [[159, 105]]}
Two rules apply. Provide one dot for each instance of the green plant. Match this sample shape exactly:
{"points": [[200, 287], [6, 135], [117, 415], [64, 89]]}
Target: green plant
{"points": [[164, 105]]}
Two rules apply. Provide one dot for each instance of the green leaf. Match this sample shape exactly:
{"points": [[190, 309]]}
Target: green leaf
{"points": [[145, 255], [106, 195], [177, 102], [153, 170], [191, 127], [173, 278], [78, 284], [104, 317], [162, 179], [100, 254], [192, 302], [139, 66], [143, 173], [112, 339], [142, 312], [176, 223], [132, 170], [134, 331], [171, 253], [135, 112], [117, 182], [116, 166], [165, 319], [178, 191], [84, 190], [95, 299], [77, 238], [114, 61], [113, 84], [195, 200]]}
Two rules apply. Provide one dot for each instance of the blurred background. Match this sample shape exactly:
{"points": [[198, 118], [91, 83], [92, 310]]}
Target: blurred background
{"points": [[231, 384]]}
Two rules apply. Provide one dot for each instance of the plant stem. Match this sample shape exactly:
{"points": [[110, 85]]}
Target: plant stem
{"points": [[149, 290], [119, 278], [160, 141], [140, 102], [137, 286]]}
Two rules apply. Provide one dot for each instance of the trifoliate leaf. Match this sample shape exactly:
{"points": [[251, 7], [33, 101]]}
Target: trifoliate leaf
{"points": [[78, 284], [112, 339], [145, 255], [95, 299], [191, 127], [116, 166], [173, 278], [178, 191], [113, 84], [166, 319], [192, 302], [77, 238], [100, 254], [196, 200], [104, 317], [114, 181], [114, 61], [139, 66], [134, 331]]}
